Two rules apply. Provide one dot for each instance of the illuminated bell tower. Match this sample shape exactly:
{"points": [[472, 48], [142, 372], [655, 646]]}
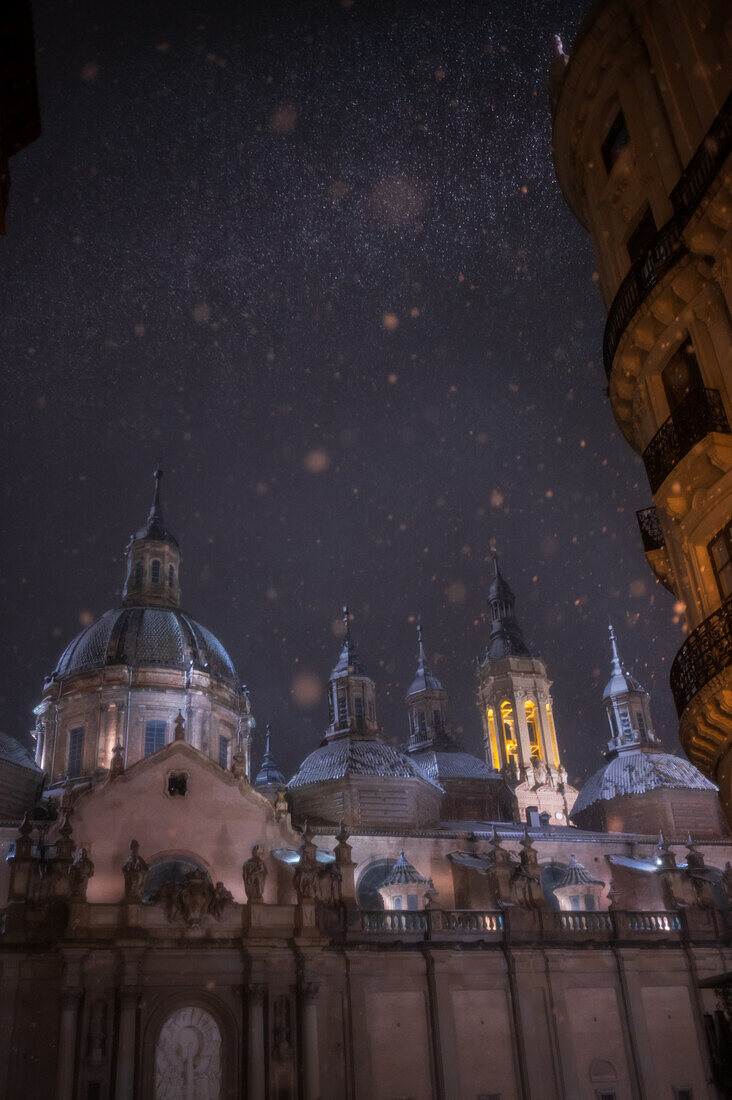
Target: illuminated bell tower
{"points": [[514, 696]]}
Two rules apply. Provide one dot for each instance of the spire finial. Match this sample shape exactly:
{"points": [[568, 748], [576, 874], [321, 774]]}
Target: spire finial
{"points": [[422, 664], [616, 665], [347, 621], [155, 509]]}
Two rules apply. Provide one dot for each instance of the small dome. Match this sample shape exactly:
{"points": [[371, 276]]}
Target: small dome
{"points": [[451, 765], [620, 683], [143, 637], [15, 753], [351, 756], [637, 772]]}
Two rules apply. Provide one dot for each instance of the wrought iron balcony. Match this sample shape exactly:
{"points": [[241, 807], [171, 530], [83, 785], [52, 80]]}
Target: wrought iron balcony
{"points": [[644, 275], [700, 413], [705, 653], [650, 529], [668, 247]]}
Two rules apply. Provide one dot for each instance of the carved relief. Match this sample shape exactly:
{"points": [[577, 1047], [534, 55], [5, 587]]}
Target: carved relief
{"points": [[193, 898], [188, 1057]]}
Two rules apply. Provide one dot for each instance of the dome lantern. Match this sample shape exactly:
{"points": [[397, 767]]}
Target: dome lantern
{"points": [[153, 561]]}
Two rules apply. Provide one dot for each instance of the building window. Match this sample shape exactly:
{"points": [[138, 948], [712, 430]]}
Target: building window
{"points": [[397, 903], [138, 574], [574, 902], [370, 708], [615, 141], [76, 750], [682, 1094], [171, 576], [154, 736], [155, 572], [641, 239], [342, 710], [178, 784], [422, 724], [412, 901], [720, 551], [331, 711], [437, 719], [509, 733], [533, 725], [358, 703], [589, 901], [224, 752]]}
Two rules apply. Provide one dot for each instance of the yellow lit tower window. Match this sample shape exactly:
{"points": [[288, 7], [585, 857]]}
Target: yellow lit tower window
{"points": [[493, 738], [509, 732], [532, 722]]}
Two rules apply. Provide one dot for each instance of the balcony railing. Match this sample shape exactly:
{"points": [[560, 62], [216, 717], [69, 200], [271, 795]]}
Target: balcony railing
{"points": [[705, 653], [610, 924], [698, 414], [650, 529], [644, 275], [668, 246]]}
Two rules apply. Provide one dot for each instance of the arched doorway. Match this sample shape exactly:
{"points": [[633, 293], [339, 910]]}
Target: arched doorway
{"points": [[188, 1057]]}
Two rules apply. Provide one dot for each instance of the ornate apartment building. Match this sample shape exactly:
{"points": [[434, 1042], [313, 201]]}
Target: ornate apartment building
{"points": [[642, 134], [395, 921]]}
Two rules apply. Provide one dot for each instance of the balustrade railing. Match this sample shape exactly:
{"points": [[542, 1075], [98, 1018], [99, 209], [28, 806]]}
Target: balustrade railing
{"points": [[650, 529], [668, 246], [608, 924], [698, 414], [705, 653], [584, 920]]}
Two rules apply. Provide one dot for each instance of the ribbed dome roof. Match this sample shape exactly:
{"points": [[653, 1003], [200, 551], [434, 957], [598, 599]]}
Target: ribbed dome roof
{"points": [[636, 772], [351, 756], [146, 636], [452, 765]]}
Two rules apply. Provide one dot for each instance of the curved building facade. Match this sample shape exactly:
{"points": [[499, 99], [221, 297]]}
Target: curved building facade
{"points": [[642, 137]]}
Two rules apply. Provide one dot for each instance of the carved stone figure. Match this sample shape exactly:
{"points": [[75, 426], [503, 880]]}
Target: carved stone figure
{"points": [[280, 806], [219, 901], [167, 898], [80, 871], [254, 872], [134, 870], [117, 765], [331, 878], [306, 879], [188, 1057]]}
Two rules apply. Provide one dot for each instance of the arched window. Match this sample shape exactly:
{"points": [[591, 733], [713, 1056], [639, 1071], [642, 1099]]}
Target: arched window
{"points": [[170, 868], [171, 576], [533, 724], [493, 738], [138, 574], [509, 732], [155, 572], [367, 890]]}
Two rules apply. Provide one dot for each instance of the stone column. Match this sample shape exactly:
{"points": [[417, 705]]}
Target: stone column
{"points": [[255, 1044], [310, 1040], [67, 1044], [126, 1047]]}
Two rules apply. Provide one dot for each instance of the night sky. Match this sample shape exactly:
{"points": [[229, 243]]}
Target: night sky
{"points": [[312, 258]]}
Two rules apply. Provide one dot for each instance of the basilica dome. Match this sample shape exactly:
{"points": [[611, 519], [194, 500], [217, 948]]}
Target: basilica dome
{"points": [[146, 637], [351, 757], [638, 771]]}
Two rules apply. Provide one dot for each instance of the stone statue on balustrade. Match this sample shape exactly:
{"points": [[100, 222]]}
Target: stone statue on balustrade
{"points": [[80, 871], [134, 870], [254, 872]]}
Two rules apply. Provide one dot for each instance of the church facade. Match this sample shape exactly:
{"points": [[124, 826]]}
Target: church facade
{"points": [[393, 922]]}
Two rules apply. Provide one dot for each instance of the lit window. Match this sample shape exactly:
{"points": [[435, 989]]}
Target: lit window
{"points": [[154, 736], [224, 752], [616, 140], [76, 749], [138, 574], [532, 723], [171, 576], [155, 572], [720, 551]]}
